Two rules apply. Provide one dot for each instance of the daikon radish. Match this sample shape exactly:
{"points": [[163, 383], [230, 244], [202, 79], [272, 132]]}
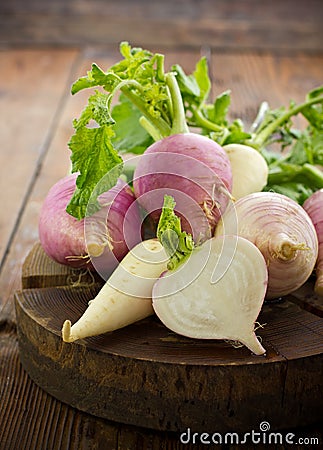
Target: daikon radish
{"points": [[126, 296]]}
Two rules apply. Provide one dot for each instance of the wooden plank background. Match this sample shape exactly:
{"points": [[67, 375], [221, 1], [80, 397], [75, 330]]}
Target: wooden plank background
{"points": [[39, 125], [232, 24]]}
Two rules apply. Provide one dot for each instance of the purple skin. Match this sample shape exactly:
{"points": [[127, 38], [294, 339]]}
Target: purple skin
{"points": [[188, 164], [65, 238]]}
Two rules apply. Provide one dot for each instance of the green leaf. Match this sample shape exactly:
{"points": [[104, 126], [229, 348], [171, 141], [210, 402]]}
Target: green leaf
{"points": [[177, 243], [94, 157], [296, 191], [129, 136], [221, 108], [195, 87], [202, 78], [315, 93], [96, 77], [187, 83], [236, 134]]}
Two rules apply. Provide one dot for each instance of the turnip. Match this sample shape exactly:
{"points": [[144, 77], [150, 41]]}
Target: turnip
{"points": [[282, 231], [217, 293], [249, 169], [152, 99], [191, 168], [314, 208], [99, 240], [187, 163], [126, 296]]}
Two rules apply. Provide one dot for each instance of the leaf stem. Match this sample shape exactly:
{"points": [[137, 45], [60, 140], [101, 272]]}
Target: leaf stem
{"points": [[204, 122], [158, 122], [150, 128], [260, 139], [179, 125]]}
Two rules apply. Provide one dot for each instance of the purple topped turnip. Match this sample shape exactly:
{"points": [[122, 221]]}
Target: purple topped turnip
{"points": [[99, 241], [184, 163], [282, 231], [314, 208]]}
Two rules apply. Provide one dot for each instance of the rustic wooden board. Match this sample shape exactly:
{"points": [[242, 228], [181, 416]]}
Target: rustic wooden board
{"points": [[147, 376], [39, 270]]}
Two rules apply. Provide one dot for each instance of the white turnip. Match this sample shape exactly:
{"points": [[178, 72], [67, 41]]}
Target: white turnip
{"points": [[126, 296], [99, 240], [249, 169], [314, 208], [217, 293], [282, 231]]}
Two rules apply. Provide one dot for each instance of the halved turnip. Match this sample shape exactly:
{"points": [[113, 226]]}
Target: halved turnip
{"points": [[217, 293]]}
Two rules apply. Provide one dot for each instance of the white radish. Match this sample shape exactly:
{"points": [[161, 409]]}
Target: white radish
{"points": [[216, 294], [282, 231], [126, 296], [249, 169]]}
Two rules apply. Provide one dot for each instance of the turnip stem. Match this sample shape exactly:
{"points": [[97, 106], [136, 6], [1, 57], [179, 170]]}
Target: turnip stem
{"points": [[179, 120], [151, 129], [314, 174], [260, 139], [260, 117], [159, 123], [203, 122], [160, 72]]}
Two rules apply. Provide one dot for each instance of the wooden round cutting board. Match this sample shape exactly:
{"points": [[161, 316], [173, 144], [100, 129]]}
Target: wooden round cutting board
{"points": [[148, 376]]}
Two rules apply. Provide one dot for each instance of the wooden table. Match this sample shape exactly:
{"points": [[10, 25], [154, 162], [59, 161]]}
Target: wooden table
{"points": [[36, 123]]}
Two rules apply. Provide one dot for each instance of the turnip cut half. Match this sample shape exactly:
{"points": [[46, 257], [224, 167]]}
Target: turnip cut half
{"points": [[223, 301]]}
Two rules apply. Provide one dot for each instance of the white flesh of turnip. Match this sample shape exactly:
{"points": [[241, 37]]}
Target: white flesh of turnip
{"points": [[216, 294], [249, 169], [126, 296]]}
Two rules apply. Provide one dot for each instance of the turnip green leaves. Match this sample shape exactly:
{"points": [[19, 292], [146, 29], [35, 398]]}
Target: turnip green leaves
{"points": [[177, 243], [146, 111]]}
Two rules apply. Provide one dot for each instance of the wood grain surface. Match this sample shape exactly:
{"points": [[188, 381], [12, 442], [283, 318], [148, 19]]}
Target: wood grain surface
{"points": [[146, 375], [39, 126], [284, 25]]}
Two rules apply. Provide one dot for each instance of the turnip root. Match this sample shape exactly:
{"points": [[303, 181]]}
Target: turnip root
{"points": [[223, 298], [98, 240], [126, 296], [249, 169], [188, 164], [314, 208], [282, 231]]}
